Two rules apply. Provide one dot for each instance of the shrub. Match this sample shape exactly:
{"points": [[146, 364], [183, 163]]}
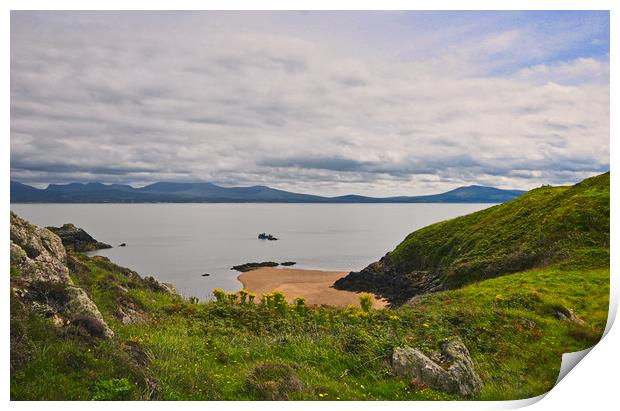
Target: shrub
{"points": [[232, 298], [243, 294], [193, 300], [267, 300], [366, 302], [279, 302], [113, 390], [300, 305], [220, 295], [273, 381]]}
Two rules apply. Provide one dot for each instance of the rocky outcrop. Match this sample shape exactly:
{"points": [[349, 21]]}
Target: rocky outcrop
{"points": [[450, 370], [39, 260], [252, 266], [287, 263], [382, 279], [76, 239]]}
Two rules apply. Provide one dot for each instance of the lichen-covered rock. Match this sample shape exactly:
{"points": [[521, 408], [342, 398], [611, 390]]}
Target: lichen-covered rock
{"points": [[76, 239], [452, 370], [80, 306], [37, 253], [41, 260]]}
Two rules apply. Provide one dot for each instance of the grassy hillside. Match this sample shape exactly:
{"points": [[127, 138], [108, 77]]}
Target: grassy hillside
{"points": [[545, 226], [516, 326], [187, 350]]}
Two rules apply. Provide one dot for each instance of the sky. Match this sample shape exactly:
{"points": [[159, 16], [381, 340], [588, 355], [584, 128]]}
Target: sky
{"points": [[329, 103]]}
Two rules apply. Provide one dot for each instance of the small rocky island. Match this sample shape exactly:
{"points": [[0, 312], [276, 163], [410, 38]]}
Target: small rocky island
{"points": [[265, 236], [76, 239]]}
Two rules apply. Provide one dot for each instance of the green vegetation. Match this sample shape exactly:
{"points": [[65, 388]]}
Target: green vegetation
{"points": [[543, 226], [210, 350], [516, 326]]}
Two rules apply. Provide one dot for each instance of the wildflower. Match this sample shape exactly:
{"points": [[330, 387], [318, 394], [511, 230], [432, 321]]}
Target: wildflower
{"points": [[394, 318], [243, 294], [232, 298], [220, 295]]}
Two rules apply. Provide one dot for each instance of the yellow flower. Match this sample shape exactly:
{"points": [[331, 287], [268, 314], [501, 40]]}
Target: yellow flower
{"points": [[394, 318]]}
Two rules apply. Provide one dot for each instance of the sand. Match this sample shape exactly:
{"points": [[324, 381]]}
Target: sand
{"points": [[314, 285]]}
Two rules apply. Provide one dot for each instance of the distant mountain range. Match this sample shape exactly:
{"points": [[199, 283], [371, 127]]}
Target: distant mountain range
{"points": [[210, 193]]}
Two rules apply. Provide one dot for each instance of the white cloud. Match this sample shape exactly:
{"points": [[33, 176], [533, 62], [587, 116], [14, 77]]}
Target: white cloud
{"points": [[233, 99]]}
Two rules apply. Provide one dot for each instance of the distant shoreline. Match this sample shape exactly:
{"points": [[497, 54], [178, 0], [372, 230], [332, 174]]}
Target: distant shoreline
{"points": [[314, 285], [256, 202], [167, 192]]}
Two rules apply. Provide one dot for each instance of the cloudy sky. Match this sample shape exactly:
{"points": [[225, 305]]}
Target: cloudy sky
{"points": [[375, 103]]}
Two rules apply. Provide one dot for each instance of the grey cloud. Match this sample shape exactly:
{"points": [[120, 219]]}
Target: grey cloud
{"points": [[116, 98]]}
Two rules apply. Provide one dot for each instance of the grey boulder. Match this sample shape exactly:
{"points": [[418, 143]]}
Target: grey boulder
{"points": [[452, 371]]}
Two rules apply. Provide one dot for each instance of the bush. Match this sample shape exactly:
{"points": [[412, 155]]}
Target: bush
{"points": [[113, 390], [243, 295], [366, 302], [273, 381], [220, 295], [300, 305], [232, 298], [279, 302], [267, 300]]}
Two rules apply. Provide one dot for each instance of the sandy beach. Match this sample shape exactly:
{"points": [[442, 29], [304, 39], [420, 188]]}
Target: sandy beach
{"points": [[313, 285]]}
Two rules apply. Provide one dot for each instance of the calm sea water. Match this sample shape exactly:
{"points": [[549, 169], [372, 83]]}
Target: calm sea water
{"points": [[177, 243]]}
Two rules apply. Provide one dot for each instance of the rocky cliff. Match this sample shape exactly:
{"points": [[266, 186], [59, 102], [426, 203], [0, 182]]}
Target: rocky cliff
{"points": [[40, 277]]}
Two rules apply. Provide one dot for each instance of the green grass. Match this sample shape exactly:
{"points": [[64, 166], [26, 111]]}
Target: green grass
{"points": [[205, 351], [543, 226]]}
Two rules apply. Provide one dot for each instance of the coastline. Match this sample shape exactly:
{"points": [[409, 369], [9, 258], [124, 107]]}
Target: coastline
{"points": [[314, 285]]}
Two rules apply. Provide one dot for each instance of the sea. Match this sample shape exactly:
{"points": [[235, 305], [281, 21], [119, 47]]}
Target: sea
{"points": [[178, 243]]}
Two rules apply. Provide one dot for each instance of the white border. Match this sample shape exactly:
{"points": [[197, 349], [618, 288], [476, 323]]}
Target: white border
{"points": [[593, 382]]}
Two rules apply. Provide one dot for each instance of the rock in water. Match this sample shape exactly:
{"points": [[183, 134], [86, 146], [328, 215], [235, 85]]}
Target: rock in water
{"points": [[264, 236], [76, 239], [251, 266], [288, 263], [456, 376]]}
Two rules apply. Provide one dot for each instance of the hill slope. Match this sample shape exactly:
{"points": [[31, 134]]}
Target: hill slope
{"points": [[544, 226], [208, 192]]}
